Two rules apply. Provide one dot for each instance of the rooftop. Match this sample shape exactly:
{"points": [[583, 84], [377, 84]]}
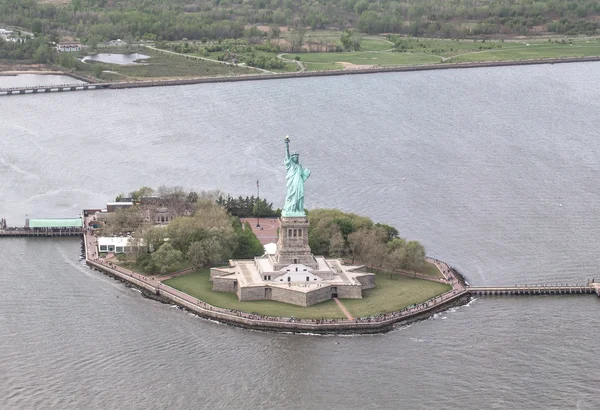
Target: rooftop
{"points": [[54, 222]]}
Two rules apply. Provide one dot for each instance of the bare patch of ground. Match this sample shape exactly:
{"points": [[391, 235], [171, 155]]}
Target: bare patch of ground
{"points": [[350, 66], [55, 2], [15, 68]]}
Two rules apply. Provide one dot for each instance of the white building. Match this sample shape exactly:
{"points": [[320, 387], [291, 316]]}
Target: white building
{"points": [[68, 47], [5, 33], [115, 244]]}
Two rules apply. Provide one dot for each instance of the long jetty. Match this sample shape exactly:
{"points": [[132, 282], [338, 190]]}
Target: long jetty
{"points": [[278, 76], [527, 290]]}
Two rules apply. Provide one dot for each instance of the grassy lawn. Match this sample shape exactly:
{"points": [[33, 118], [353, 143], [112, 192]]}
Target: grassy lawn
{"points": [[198, 285], [534, 50], [374, 52], [374, 44], [390, 295], [393, 294], [162, 65], [431, 270]]}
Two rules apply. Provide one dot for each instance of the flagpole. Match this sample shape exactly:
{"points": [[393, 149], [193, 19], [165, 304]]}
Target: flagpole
{"points": [[258, 204]]}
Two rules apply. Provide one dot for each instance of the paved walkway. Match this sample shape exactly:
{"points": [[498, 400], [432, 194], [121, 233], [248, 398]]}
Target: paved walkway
{"points": [[267, 232], [343, 308]]}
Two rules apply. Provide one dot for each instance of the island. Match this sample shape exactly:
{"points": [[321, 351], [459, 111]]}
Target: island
{"points": [[321, 270]]}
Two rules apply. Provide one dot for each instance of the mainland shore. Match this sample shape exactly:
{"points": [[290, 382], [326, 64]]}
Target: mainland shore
{"points": [[305, 74]]}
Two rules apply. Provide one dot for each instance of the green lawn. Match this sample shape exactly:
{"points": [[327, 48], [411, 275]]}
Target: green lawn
{"points": [[198, 285], [534, 50], [163, 65], [431, 270], [374, 44], [390, 295]]}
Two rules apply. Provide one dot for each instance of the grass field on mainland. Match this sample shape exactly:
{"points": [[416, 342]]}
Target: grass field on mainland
{"points": [[375, 52], [391, 294], [162, 66]]}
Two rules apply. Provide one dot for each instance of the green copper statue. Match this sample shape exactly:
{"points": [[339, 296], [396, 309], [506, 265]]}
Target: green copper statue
{"points": [[295, 177]]}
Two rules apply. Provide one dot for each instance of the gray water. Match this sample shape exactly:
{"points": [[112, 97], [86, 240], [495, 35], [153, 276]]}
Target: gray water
{"points": [[494, 170], [30, 80], [120, 59]]}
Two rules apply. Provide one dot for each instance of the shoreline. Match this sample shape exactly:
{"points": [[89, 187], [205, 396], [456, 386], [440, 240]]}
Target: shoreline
{"points": [[305, 74], [331, 73], [168, 295], [160, 292]]}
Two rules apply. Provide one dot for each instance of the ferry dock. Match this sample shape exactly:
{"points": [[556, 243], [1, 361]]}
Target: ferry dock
{"points": [[46, 227]]}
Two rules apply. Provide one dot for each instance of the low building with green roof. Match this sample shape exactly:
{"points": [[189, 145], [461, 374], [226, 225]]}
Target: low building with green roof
{"points": [[53, 223]]}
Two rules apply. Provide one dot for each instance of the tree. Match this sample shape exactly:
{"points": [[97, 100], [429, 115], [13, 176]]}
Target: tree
{"points": [[97, 70], [143, 192], [297, 39], [165, 257], [248, 245], [123, 220], [337, 244], [351, 40], [174, 198], [193, 197], [42, 55], [93, 42], [205, 252], [154, 237], [274, 31]]}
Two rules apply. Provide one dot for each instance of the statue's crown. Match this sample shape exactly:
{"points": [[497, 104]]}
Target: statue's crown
{"points": [[295, 154]]}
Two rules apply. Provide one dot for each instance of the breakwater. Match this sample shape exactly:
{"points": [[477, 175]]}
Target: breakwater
{"points": [[280, 76]]}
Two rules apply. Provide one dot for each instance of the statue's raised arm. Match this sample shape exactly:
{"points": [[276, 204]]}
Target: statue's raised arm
{"points": [[287, 147], [295, 177]]}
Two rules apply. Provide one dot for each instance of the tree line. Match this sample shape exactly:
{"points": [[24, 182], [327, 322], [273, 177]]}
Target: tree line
{"points": [[207, 229], [207, 236], [160, 20]]}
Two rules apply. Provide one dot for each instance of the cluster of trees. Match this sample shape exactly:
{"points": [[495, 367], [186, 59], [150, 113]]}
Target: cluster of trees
{"points": [[335, 233], [351, 40], [219, 19], [35, 50], [213, 233], [404, 44], [208, 236], [248, 206]]}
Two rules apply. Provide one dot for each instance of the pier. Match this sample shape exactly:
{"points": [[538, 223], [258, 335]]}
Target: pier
{"points": [[23, 232], [45, 227], [516, 290], [51, 88]]}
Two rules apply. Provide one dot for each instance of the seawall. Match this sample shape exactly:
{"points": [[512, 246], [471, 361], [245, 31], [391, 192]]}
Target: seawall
{"points": [[166, 294]]}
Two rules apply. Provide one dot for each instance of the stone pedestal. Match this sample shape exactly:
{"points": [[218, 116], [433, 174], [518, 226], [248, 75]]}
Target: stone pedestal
{"points": [[292, 245]]}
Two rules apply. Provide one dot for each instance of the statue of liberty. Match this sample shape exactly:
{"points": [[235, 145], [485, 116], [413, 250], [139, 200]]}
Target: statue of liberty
{"points": [[295, 177]]}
